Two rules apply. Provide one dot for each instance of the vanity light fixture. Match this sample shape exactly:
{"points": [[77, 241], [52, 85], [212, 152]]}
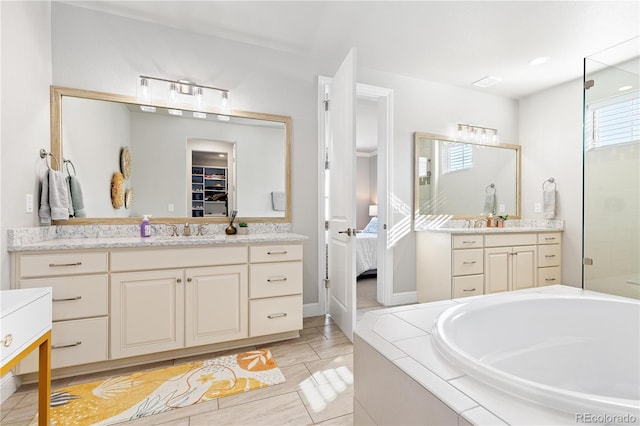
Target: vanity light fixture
{"points": [[184, 94], [469, 133]]}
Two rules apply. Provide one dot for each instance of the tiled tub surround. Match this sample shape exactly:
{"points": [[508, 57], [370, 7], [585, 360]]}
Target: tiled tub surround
{"points": [[125, 300], [401, 378]]}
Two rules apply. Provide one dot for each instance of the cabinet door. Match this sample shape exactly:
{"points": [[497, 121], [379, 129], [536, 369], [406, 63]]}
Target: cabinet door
{"points": [[147, 312], [497, 269], [216, 304], [524, 267]]}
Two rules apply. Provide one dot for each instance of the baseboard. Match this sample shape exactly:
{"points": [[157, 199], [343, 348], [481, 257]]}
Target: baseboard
{"points": [[312, 310], [8, 385], [404, 298]]}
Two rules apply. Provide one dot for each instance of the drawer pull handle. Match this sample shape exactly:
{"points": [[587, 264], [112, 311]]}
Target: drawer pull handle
{"points": [[469, 263], [277, 252], [549, 238], [469, 289], [273, 280], [549, 279], [57, 265], [8, 340], [72, 345], [468, 242], [549, 255], [280, 315], [68, 299]]}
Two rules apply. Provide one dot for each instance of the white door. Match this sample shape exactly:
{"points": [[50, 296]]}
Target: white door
{"points": [[342, 196]]}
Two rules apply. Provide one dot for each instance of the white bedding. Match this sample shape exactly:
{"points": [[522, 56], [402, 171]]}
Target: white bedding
{"points": [[366, 245]]}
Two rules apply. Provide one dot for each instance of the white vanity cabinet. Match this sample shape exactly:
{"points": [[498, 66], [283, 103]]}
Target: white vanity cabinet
{"points": [[158, 309], [275, 291], [79, 283], [450, 265]]}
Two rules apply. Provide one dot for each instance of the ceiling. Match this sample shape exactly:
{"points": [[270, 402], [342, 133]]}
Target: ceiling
{"points": [[451, 42]]}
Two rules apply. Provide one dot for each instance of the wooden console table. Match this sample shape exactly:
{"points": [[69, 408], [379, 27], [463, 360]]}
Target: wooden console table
{"points": [[25, 324]]}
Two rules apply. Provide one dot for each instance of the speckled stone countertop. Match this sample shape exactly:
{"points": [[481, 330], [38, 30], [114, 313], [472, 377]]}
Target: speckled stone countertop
{"points": [[157, 241], [510, 226], [127, 236]]}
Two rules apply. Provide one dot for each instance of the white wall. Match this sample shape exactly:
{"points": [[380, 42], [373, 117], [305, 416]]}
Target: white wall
{"points": [[551, 139], [25, 79]]}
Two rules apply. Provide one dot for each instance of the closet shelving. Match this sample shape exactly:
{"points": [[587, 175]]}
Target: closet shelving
{"points": [[208, 191]]}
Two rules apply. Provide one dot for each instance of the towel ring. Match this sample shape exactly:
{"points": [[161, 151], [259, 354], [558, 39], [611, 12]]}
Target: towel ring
{"points": [[66, 163], [44, 154], [550, 180], [491, 186]]}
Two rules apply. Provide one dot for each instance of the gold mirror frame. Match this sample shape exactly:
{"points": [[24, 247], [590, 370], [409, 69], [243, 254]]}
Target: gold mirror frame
{"points": [[57, 93], [516, 148]]}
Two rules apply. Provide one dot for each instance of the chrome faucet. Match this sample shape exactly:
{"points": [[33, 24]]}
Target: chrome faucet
{"points": [[187, 230], [480, 223], [174, 231], [467, 223], [200, 230]]}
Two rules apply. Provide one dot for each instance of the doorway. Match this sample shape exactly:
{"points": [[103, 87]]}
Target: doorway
{"points": [[374, 110]]}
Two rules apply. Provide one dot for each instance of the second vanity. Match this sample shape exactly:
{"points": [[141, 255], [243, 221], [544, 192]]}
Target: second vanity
{"points": [[125, 301], [460, 262]]}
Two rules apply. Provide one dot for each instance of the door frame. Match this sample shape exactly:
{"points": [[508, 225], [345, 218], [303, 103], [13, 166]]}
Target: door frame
{"points": [[384, 97]]}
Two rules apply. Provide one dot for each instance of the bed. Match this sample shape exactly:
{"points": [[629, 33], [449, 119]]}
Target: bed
{"points": [[366, 245]]}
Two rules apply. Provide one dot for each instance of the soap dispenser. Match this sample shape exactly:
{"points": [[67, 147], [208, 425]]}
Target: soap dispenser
{"points": [[145, 226]]}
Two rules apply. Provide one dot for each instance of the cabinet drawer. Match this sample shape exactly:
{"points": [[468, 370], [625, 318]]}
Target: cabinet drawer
{"points": [[73, 343], [549, 255], [275, 279], [22, 323], [466, 241], [500, 240], [276, 315], [467, 262], [470, 285], [183, 257], [275, 253], [549, 276], [75, 296], [549, 238], [40, 265]]}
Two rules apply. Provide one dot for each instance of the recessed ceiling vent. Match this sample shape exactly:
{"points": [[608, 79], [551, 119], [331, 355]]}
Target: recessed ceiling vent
{"points": [[487, 81]]}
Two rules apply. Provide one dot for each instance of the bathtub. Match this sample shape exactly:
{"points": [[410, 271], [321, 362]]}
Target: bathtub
{"points": [[570, 353]]}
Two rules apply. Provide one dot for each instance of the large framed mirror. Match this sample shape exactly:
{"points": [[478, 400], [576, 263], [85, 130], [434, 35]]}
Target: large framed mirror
{"points": [[465, 180], [192, 167]]}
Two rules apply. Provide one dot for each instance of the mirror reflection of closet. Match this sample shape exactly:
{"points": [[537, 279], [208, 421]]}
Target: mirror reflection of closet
{"points": [[211, 178]]}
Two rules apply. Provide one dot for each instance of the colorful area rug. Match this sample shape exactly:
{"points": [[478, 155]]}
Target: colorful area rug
{"points": [[119, 399]]}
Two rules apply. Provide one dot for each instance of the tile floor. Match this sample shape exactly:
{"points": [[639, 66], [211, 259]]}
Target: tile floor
{"points": [[318, 367]]}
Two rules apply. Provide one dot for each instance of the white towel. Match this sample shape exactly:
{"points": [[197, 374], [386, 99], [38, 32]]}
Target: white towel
{"points": [[45, 210], [58, 196], [279, 201], [549, 203], [77, 200], [70, 204], [490, 204]]}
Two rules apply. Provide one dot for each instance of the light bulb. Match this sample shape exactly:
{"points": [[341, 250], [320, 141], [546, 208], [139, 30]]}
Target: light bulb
{"points": [[225, 102], [173, 94], [144, 94], [198, 99]]}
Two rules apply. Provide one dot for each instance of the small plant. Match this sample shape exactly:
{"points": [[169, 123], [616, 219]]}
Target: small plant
{"points": [[243, 224], [503, 217]]}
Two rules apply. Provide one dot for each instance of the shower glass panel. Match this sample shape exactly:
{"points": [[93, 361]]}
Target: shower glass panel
{"points": [[611, 227]]}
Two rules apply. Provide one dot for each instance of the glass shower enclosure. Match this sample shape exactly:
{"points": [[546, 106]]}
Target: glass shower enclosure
{"points": [[611, 175]]}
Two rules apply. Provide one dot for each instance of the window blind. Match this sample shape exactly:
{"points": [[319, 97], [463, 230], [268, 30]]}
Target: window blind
{"points": [[457, 156], [614, 122]]}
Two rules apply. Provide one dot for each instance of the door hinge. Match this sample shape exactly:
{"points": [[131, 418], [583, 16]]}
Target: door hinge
{"points": [[587, 261], [589, 84], [326, 225], [326, 105], [326, 165], [327, 283], [384, 226]]}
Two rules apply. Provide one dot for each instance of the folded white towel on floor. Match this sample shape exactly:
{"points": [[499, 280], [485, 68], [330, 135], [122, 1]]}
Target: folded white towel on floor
{"points": [[549, 203]]}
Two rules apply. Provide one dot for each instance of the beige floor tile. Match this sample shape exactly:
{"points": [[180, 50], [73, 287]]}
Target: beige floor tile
{"points": [[332, 347], [285, 409], [339, 421], [319, 321], [331, 331], [293, 354], [10, 403], [310, 335], [179, 416], [297, 377], [328, 401], [336, 369], [21, 413]]}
